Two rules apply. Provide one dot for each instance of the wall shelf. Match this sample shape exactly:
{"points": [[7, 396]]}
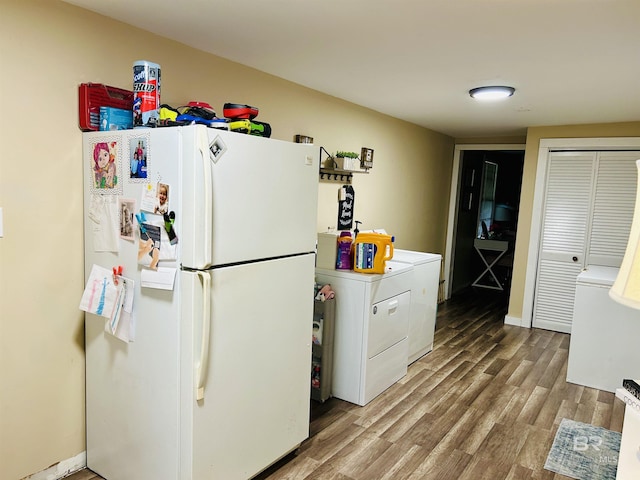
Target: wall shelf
{"points": [[331, 172]]}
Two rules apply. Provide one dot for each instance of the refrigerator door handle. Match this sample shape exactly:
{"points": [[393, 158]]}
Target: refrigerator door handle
{"points": [[201, 366], [205, 154]]}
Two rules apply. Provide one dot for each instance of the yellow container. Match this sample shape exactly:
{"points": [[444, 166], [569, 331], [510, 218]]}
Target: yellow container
{"points": [[371, 252]]}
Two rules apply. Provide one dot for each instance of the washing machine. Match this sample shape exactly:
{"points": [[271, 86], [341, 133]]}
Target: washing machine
{"points": [[371, 324], [425, 282]]}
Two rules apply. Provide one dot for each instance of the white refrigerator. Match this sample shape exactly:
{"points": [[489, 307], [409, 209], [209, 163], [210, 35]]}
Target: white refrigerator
{"points": [[214, 381]]}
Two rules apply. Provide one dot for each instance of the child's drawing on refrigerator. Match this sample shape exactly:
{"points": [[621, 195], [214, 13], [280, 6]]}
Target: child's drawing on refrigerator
{"points": [[105, 175], [100, 293]]}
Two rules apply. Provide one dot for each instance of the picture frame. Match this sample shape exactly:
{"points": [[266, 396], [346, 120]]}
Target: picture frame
{"points": [[366, 158]]}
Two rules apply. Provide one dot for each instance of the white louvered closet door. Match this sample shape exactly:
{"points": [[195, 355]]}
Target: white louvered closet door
{"points": [[613, 205], [587, 215], [564, 228]]}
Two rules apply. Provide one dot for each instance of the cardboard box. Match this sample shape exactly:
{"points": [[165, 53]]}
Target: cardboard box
{"points": [[115, 119], [327, 250]]}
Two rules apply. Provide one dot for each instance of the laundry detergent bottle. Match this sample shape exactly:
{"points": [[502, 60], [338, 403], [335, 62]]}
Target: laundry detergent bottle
{"points": [[372, 250], [343, 257]]}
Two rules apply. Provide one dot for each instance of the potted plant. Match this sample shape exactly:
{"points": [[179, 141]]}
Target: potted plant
{"points": [[347, 160], [347, 154]]}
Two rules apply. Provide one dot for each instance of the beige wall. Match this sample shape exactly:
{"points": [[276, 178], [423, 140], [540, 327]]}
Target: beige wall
{"points": [[47, 49], [534, 135]]}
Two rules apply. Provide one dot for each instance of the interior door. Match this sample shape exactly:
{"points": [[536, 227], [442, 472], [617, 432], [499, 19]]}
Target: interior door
{"points": [[565, 223], [613, 204], [586, 220]]}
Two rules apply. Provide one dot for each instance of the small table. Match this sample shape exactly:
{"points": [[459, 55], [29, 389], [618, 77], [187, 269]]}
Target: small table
{"points": [[490, 251]]}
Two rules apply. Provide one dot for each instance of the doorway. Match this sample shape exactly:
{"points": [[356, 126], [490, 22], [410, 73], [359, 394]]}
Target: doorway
{"points": [[467, 261]]}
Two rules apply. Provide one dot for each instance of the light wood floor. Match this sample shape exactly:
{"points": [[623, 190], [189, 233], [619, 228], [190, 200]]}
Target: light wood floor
{"points": [[485, 404]]}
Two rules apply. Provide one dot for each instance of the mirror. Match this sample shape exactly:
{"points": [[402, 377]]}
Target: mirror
{"points": [[486, 209]]}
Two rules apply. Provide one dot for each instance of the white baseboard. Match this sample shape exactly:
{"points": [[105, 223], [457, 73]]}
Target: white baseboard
{"points": [[517, 321], [61, 469], [554, 326]]}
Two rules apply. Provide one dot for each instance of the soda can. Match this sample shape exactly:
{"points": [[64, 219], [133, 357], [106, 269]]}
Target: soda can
{"points": [[146, 93]]}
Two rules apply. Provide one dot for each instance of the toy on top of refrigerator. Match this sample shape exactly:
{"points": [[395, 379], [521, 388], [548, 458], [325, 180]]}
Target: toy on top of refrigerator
{"points": [[200, 113], [237, 111], [192, 113], [167, 116], [198, 109], [241, 119]]}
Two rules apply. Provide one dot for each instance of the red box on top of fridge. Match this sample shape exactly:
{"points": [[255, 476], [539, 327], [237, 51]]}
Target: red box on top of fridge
{"points": [[92, 96]]}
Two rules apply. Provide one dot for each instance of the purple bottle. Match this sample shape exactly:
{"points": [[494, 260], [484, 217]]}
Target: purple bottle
{"points": [[343, 258]]}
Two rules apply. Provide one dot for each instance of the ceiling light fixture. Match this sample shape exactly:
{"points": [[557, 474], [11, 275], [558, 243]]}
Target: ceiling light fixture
{"points": [[495, 92]]}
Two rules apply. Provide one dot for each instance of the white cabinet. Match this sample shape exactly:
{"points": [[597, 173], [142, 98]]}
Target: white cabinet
{"points": [[603, 349], [371, 327]]}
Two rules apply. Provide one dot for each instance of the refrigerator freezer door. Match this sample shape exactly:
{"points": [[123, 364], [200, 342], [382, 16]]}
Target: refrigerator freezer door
{"points": [[255, 406], [258, 187]]}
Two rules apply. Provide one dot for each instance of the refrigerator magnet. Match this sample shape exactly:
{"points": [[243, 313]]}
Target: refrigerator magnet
{"points": [[169, 220], [216, 149]]}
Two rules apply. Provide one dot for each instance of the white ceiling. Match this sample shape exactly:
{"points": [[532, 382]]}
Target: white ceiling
{"points": [[571, 61]]}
